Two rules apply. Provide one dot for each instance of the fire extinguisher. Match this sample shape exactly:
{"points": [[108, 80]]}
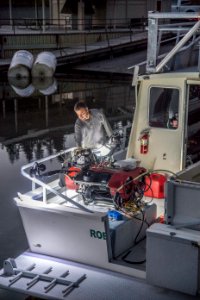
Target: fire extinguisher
{"points": [[144, 143]]}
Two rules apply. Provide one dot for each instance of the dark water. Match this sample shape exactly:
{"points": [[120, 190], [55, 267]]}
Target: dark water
{"points": [[35, 126]]}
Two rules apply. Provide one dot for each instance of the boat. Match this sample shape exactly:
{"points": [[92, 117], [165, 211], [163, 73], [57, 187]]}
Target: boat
{"points": [[97, 210]]}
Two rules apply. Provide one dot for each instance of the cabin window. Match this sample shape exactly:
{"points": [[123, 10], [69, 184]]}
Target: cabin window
{"points": [[163, 107], [194, 105], [193, 125]]}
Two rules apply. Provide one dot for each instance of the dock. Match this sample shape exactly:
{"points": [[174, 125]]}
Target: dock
{"points": [[78, 48], [99, 50]]}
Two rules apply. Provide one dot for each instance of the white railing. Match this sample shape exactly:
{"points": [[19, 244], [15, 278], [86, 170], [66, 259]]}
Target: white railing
{"points": [[45, 186]]}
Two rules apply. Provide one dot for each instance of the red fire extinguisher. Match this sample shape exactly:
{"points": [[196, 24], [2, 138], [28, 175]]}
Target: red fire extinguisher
{"points": [[144, 143]]}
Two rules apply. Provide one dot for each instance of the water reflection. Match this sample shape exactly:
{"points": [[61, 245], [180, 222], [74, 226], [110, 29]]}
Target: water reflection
{"points": [[36, 126], [24, 92], [42, 123], [46, 86], [24, 88], [19, 82]]}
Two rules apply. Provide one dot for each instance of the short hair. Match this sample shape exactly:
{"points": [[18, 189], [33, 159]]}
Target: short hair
{"points": [[79, 105]]}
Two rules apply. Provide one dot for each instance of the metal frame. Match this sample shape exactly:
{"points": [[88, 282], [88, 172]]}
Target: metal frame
{"points": [[155, 31]]}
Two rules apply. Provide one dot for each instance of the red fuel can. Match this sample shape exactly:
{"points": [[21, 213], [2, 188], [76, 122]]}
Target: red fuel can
{"points": [[155, 185]]}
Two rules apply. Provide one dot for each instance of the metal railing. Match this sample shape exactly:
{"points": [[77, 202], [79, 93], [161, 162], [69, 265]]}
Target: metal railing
{"points": [[100, 31], [45, 186], [67, 24], [155, 32]]}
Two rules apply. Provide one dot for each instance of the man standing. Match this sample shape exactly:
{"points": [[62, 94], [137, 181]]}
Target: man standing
{"points": [[91, 127]]}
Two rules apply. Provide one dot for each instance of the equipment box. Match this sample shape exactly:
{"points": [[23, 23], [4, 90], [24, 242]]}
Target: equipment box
{"points": [[173, 258], [182, 205]]}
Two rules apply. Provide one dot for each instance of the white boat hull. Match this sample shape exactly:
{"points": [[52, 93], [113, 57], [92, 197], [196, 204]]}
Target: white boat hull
{"points": [[72, 234]]}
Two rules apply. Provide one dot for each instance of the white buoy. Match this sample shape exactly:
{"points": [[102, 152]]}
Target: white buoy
{"points": [[28, 91], [44, 65], [50, 90], [21, 83], [21, 64], [22, 87], [46, 86], [42, 83]]}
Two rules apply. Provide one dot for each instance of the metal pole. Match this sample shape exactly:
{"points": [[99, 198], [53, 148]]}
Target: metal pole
{"points": [[46, 111], [152, 45], [50, 11], [43, 15], [177, 47], [126, 8], [4, 109], [39, 103], [81, 15], [199, 58], [10, 12], [36, 13], [114, 14], [169, 15], [179, 4], [16, 118], [58, 8]]}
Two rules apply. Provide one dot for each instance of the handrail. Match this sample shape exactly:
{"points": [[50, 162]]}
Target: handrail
{"points": [[164, 54], [100, 31], [46, 186], [154, 28], [68, 23], [178, 46], [174, 15]]}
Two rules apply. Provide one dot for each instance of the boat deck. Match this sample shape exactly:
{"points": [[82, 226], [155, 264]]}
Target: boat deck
{"points": [[98, 284]]}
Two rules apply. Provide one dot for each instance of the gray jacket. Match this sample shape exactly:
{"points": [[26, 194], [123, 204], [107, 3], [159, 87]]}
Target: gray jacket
{"points": [[93, 132]]}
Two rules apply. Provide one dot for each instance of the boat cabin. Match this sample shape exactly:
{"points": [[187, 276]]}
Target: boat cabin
{"points": [[167, 121]]}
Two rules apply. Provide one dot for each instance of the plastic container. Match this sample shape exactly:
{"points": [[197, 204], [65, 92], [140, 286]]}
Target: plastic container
{"points": [[44, 65], [21, 64], [115, 215], [156, 184], [129, 163]]}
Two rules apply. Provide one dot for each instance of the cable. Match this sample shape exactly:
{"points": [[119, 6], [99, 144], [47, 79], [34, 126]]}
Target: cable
{"points": [[132, 262], [140, 229], [135, 241]]}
